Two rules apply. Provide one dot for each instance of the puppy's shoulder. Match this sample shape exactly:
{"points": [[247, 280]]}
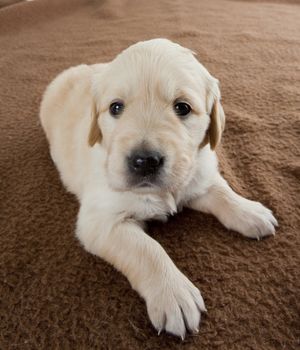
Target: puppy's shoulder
{"points": [[206, 171]]}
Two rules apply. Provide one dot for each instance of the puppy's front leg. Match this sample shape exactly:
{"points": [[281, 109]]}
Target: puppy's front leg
{"points": [[173, 302], [247, 217]]}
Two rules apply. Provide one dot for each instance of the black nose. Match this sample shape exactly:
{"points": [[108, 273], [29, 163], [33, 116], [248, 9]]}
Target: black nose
{"points": [[145, 163]]}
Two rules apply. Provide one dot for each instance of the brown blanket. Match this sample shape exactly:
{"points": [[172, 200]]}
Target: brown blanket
{"points": [[54, 295]]}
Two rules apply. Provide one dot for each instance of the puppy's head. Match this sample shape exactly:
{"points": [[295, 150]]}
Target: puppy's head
{"points": [[155, 107]]}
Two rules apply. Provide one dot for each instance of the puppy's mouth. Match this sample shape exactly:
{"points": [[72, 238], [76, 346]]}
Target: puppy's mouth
{"points": [[148, 182]]}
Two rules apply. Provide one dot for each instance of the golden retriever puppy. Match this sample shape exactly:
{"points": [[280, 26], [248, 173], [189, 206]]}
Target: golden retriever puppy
{"points": [[134, 139]]}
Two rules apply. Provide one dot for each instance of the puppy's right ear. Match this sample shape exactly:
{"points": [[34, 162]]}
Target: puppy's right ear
{"points": [[216, 114], [217, 123], [95, 134]]}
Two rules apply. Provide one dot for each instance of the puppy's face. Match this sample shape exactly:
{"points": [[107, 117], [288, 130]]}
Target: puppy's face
{"points": [[155, 107]]}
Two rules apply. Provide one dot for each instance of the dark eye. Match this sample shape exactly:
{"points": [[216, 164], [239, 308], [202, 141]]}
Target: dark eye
{"points": [[182, 109], [116, 108]]}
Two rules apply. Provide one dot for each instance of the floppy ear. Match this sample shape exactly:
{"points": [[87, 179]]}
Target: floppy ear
{"points": [[217, 124], [217, 118], [95, 134]]}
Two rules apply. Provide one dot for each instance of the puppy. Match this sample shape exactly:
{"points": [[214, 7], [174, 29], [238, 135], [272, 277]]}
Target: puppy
{"points": [[134, 139]]}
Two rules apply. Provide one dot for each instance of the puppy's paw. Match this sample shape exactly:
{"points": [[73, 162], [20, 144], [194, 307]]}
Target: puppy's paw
{"points": [[174, 305], [253, 220]]}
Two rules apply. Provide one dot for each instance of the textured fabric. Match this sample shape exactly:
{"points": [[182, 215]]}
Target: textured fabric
{"points": [[53, 294]]}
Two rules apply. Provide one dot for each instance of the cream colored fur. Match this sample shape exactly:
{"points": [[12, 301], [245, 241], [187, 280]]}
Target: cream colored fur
{"points": [[89, 148]]}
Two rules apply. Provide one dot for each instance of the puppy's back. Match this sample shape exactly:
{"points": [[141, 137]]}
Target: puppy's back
{"points": [[65, 116], [64, 94]]}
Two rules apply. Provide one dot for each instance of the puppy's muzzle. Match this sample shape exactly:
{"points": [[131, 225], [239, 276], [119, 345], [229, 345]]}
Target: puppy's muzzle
{"points": [[145, 165]]}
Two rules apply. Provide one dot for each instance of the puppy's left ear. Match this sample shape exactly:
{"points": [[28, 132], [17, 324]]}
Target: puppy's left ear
{"points": [[95, 134], [217, 116]]}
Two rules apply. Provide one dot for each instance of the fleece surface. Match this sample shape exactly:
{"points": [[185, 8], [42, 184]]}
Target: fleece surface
{"points": [[54, 295]]}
